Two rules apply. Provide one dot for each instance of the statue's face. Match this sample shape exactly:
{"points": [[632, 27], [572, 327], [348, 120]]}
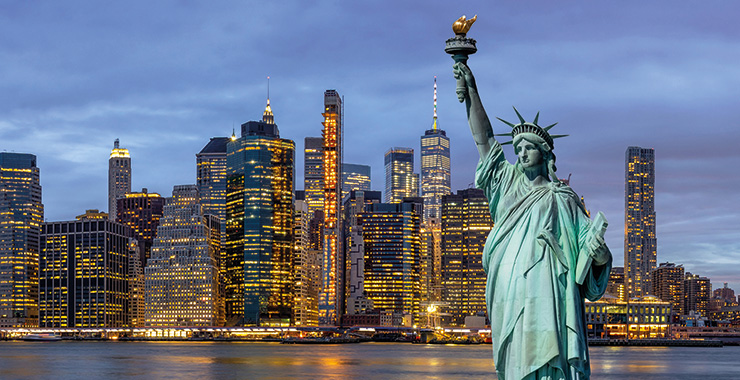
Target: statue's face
{"points": [[529, 155]]}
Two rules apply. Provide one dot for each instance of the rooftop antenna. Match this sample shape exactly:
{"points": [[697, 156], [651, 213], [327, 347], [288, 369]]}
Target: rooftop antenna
{"points": [[434, 126]]}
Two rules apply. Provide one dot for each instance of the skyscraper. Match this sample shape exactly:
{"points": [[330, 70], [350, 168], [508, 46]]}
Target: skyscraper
{"points": [[435, 166], [355, 177], [21, 214], [697, 291], [391, 233], [211, 163], [400, 179], [667, 280], [313, 173], [141, 211], [640, 243], [259, 225], [306, 269], [84, 279], [466, 222], [119, 177], [331, 298], [182, 278]]}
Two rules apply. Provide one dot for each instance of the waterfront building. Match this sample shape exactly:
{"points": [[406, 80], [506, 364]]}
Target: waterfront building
{"points": [[355, 177], [696, 293], [724, 293], [640, 243], [84, 273], [21, 214], [435, 166], [639, 318], [466, 222], [259, 225], [391, 234], [141, 211], [313, 173], [182, 278], [400, 179], [331, 296], [119, 177], [306, 269], [667, 282], [211, 167], [615, 286]]}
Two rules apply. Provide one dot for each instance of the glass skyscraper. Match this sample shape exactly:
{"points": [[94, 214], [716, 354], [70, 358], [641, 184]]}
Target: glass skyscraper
{"points": [[211, 163], [21, 214], [141, 211], [259, 225], [400, 179], [355, 177], [435, 166], [640, 243]]}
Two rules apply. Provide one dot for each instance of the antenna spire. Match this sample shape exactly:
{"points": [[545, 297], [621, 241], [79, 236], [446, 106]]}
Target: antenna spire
{"points": [[267, 116], [434, 126]]}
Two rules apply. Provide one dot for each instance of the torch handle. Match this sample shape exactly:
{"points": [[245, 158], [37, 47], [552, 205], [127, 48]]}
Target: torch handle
{"points": [[461, 87]]}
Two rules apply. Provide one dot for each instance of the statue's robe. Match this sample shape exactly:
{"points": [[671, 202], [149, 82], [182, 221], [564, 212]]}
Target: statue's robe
{"points": [[534, 303]]}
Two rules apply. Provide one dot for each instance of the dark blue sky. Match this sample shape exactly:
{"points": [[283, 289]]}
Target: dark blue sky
{"points": [[166, 76]]}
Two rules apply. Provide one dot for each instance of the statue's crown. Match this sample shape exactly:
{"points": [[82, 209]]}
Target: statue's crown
{"points": [[533, 127]]}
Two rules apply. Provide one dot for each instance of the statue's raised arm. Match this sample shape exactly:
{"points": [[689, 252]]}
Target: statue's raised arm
{"points": [[480, 125]]}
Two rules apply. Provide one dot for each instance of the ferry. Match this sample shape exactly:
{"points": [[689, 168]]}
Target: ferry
{"points": [[43, 337]]}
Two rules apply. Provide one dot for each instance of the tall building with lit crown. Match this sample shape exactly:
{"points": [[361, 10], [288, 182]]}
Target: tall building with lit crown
{"points": [[84, 273], [21, 214], [331, 298], [119, 177], [697, 291], [211, 164], [466, 222], [259, 225], [391, 233], [640, 243], [400, 179], [141, 211], [313, 173], [667, 280], [435, 166], [182, 278], [355, 177], [306, 270]]}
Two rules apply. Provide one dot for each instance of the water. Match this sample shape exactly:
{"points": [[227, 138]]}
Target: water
{"points": [[237, 360]]}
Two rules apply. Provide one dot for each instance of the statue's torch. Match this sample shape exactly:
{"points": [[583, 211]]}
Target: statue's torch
{"points": [[460, 47]]}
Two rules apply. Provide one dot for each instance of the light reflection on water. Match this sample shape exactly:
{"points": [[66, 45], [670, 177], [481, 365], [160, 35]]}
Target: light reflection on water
{"points": [[219, 360]]}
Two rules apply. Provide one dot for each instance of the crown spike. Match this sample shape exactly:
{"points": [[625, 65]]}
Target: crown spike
{"points": [[558, 136], [510, 142], [506, 122], [550, 127], [536, 118], [521, 119]]}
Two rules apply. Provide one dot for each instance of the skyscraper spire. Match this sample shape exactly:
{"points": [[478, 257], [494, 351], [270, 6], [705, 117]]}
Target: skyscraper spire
{"points": [[267, 116], [434, 126]]}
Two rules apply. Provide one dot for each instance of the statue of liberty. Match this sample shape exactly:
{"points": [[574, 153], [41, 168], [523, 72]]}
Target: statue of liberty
{"points": [[543, 256]]}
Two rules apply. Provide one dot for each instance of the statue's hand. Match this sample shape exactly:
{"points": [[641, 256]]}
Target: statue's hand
{"points": [[465, 81], [599, 251]]}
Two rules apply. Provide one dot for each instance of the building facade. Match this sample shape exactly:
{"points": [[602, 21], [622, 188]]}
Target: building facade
{"points": [[466, 222], [435, 166], [306, 270], [400, 179], [697, 292], [119, 177], [313, 173], [391, 234], [182, 278], [615, 286], [211, 181], [640, 242], [141, 211], [259, 226], [667, 281], [355, 177], [84, 273], [21, 215]]}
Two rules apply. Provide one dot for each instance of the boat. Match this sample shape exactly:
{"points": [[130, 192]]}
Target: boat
{"points": [[43, 337]]}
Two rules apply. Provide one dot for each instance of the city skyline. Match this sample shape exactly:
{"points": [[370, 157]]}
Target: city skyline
{"points": [[651, 75]]}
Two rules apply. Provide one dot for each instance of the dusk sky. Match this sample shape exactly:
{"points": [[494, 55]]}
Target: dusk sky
{"points": [[165, 76]]}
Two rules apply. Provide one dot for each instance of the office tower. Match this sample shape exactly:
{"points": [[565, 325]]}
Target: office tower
{"points": [[119, 177], [724, 293], [391, 233], [331, 298], [640, 244], [400, 179], [696, 293], [21, 214], [357, 202], [211, 162], [667, 280], [136, 286], [84, 273], [182, 278], [435, 166], [259, 226], [307, 270], [313, 173], [466, 222], [615, 286], [141, 211], [431, 262], [355, 177]]}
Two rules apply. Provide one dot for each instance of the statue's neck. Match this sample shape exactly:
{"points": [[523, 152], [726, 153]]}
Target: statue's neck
{"points": [[537, 176]]}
